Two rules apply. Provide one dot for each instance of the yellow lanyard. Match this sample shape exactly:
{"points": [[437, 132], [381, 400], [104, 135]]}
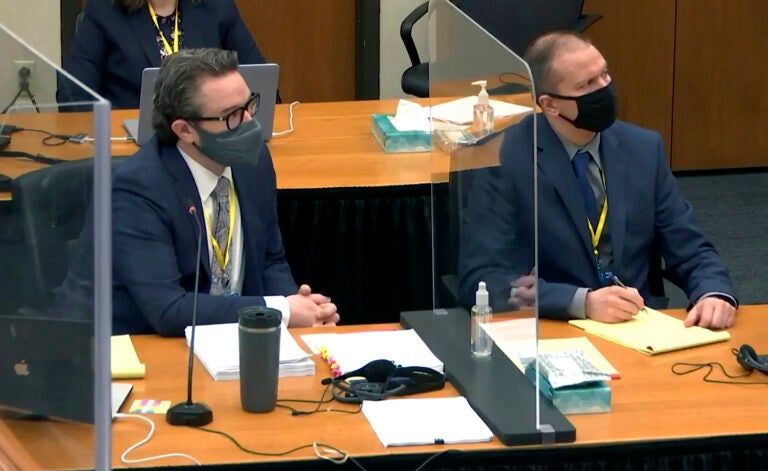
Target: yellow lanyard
{"points": [[600, 223], [223, 258], [175, 29]]}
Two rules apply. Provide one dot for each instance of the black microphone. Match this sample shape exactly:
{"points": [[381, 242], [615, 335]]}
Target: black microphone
{"points": [[194, 414]]}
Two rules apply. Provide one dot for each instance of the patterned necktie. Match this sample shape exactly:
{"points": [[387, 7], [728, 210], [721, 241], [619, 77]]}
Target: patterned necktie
{"points": [[580, 164], [220, 219]]}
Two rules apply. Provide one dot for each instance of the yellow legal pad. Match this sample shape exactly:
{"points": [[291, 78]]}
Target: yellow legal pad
{"points": [[125, 362], [652, 332]]}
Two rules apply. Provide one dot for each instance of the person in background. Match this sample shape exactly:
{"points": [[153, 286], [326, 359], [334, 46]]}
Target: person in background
{"points": [[207, 170], [606, 200], [116, 40]]}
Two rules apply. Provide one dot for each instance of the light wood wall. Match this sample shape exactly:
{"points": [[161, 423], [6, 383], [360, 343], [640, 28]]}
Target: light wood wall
{"points": [[694, 70]]}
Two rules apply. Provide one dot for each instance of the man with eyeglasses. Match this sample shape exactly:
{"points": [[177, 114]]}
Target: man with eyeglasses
{"points": [[207, 161]]}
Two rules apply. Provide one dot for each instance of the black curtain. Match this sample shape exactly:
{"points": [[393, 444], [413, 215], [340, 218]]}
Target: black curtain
{"points": [[369, 249]]}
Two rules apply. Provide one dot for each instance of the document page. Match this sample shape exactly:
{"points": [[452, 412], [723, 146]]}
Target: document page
{"points": [[652, 332], [461, 111], [400, 422], [354, 350], [217, 346], [515, 338]]}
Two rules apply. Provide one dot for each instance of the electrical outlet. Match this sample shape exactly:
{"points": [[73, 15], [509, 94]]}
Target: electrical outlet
{"points": [[29, 64]]}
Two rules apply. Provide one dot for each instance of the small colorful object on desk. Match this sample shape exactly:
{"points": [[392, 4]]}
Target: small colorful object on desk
{"points": [[335, 370], [149, 406]]}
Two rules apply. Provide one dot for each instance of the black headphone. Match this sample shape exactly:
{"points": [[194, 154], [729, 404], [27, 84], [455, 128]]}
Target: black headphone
{"points": [[749, 360], [382, 379]]}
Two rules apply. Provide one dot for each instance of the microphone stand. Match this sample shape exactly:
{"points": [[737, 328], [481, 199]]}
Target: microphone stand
{"points": [[24, 74], [194, 414]]}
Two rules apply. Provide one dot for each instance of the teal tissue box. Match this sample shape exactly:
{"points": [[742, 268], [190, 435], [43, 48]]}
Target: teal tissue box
{"points": [[588, 398], [392, 140]]}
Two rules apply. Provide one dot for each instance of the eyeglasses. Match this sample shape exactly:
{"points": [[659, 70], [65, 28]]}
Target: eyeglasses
{"points": [[235, 117]]}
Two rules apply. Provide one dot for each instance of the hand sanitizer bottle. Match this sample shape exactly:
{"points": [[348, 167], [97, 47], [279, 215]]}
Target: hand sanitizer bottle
{"points": [[481, 314], [482, 123]]}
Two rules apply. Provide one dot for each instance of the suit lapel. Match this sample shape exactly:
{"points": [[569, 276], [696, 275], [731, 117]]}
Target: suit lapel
{"points": [[187, 192], [556, 168], [145, 34], [614, 165]]}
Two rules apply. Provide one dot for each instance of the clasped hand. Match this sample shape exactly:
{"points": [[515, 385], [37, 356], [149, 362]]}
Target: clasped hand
{"points": [[310, 309], [522, 293]]}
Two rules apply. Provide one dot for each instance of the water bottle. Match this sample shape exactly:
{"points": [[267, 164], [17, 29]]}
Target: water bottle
{"points": [[259, 357]]}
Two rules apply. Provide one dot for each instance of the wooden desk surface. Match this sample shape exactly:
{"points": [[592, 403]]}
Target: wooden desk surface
{"points": [[331, 146], [649, 403]]}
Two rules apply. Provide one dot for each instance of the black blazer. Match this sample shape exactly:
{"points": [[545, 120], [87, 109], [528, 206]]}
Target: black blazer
{"points": [[112, 48]]}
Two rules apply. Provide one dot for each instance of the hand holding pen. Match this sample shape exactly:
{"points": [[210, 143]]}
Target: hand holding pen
{"points": [[616, 303], [617, 282]]}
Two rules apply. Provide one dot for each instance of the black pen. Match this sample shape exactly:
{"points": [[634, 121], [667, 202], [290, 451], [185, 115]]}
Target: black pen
{"points": [[618, 282]]}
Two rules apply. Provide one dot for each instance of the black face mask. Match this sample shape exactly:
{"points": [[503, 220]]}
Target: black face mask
{"points": [[596, 110]]}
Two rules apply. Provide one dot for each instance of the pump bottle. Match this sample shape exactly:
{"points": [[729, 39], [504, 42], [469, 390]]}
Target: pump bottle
{"points": [[482, 112], [481, 314]]}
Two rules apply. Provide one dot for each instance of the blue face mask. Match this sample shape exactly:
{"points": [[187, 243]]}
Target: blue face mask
{"points": [[240, 146]]}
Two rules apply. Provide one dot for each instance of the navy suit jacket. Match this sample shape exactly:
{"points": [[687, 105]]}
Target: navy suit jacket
{"points": [[155, 246], [112, 48], [645, 209]]}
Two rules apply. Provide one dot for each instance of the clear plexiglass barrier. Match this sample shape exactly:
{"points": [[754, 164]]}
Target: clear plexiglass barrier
{"points": [[484, 212], [55, 388]]}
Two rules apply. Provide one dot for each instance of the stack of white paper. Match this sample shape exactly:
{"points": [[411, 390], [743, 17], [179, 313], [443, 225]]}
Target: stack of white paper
{"points": [[425, 421], [217, 347], [355, 350], [461, 111]]}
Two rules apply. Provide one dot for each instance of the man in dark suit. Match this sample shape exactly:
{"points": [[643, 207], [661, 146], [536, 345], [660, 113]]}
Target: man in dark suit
{"points": [[207, 167], [117, 39], [607, 201]]}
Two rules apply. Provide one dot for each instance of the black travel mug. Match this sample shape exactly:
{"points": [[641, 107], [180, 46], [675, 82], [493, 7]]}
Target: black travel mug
{"points": [[259, 357]]}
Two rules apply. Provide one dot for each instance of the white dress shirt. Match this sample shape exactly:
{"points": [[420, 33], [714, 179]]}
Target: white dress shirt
{"points": [[205, 180]]}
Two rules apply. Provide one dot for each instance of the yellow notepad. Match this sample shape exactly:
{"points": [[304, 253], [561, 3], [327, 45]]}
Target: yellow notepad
{"points": [[652, 332], [125, 362]]}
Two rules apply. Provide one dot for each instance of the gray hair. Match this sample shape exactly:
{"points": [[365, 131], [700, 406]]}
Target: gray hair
{"points": [[542, 52], [177, 85]]}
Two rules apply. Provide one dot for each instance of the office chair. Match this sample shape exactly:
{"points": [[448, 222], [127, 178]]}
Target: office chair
{"points": [[515, 23], [51, 205], [79, 21]]}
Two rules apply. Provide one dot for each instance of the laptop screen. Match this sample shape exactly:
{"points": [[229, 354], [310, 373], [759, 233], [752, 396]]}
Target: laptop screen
{"points": [[261, 78], [46, 368]]}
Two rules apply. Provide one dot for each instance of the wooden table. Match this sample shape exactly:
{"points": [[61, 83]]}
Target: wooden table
{"points": [[331, 147], [650, 407]]}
